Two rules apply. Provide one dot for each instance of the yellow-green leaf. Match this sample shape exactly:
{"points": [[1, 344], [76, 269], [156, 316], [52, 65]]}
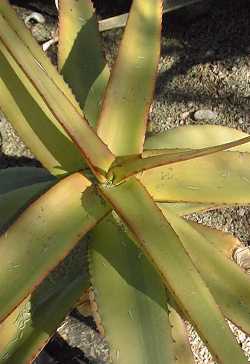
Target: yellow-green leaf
{"points": [[227, 282], [196, 137], [122, 122], [162, 246], [122, 169], [27, 111], [130, 299], [51, 226], [91, 147], [222, 178], [80, 57], [182, 349]]}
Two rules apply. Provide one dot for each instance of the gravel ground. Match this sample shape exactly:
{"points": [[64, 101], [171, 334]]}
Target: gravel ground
{"points": [[205, 65]]}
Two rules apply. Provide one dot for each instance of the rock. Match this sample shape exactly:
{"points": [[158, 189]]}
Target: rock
{"points": [[203, 114], [185, 115]]}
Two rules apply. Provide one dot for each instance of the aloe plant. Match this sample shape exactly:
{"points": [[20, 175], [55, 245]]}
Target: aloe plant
{"points": [[107, 210]]}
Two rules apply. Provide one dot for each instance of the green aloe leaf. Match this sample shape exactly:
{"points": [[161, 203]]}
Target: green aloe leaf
{"points": [[130, 299], [182, 208], [224, 242], [182, 349], [53, 225], [28, 113], [196, 137], [123, 118], [227, 282], [28, 328], [80, 57], [130, 166], [208, 180], [162, 246], [19, 186], [17, 177], [91, 147]]}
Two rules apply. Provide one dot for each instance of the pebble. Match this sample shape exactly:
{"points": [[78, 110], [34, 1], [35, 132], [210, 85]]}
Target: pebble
{"points": [[185, 115], [203, 114]]}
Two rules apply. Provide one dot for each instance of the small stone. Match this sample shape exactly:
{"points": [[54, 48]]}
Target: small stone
{"points": [[209, 53], [185, 115], [208, 115], [241, 212]]}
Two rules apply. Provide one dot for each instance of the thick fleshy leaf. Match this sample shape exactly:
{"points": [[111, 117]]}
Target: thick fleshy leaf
{"points": [[80, 58], [121, 20], [206, 180], [23, 333], [227, 282], [19, 186], [130, 301], [91, 147], [17, 177], [182, 349], [224, 242], [27, 330], [196, 137], [52, 226], [13, 203], [162, 246], [130, 166], [122, 122], [182, 208], [27, 111]]}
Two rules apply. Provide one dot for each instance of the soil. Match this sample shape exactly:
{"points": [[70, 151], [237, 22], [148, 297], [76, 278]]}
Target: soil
{"points": [[205, 65]]}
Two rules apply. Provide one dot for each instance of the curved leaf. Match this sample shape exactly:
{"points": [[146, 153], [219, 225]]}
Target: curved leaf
{"points": [[91, 147], [123, 118], [52, 225], [196, 137], [29, 327], [223, 178], [162, 246], [27, 111], [182, 349], [80, 57], [182, 208], [224, 242], [17, 177], [130, 166], [130, 301], [227, 282]]}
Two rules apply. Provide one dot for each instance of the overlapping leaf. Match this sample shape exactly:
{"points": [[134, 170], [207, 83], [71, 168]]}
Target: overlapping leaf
{"points": [[196, 137], [80, 57], [28, 113], [130, 166], [123, 118], [130, 297], [163, 247], [99, 157], [206, 180], [51, 232], [227, 282]]}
